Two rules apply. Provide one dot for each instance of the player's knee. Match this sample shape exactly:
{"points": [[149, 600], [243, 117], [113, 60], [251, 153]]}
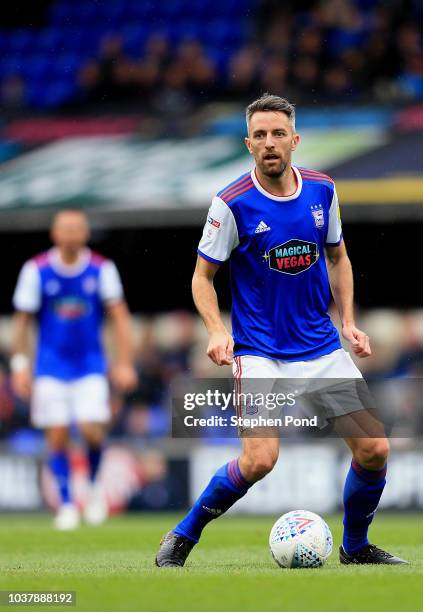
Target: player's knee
{"points": [[380, 451], [57, 439], [93, 434], [57, 446], [259, 465], [374, 453]]}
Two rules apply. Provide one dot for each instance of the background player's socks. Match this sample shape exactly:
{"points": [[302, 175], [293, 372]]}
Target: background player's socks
{"points": [[362, 492], [225, 488], [59, 465], [96, 507], [95, 454]]}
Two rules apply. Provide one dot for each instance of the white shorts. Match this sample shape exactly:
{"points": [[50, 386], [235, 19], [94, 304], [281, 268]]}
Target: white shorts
{"points": [[332, 385], [56, 402], [337, 364]]}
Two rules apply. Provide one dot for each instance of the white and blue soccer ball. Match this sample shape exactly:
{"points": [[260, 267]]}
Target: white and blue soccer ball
{"points": [[300, 539]]}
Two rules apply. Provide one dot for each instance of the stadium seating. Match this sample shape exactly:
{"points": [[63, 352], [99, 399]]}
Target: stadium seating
{"points": [[352, 62], [49, 59]]}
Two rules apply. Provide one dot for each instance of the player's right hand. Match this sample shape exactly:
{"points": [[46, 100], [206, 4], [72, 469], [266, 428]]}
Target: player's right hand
{"points": [[360, 342], [22, 384], [124, 377], [221, 348]]}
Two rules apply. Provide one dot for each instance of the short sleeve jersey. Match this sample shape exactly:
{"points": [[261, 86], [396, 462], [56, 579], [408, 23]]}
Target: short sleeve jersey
{"points": [[279, 280], [69, 304]]}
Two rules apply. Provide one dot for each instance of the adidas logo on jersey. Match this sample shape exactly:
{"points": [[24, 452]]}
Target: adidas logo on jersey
{"points": [[261, 227]]}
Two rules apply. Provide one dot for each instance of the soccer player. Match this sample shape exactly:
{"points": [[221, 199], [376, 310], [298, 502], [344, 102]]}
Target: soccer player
{"points": [[275, 224], [68, 289]]}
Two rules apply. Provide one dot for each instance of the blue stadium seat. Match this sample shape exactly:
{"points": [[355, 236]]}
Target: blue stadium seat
{"points": [[185, 30], [4, 42], [73, 38], [38, 66], [12, 64], [58, 12], [411, 85], [49, 39], [113, 8], [174, 9], [339, 40], [163, 29], [144, 11], [221, 32], [67, 64], [50, 94], [201, 10], [92, 39], [21, 40], [134, 37], [220, 58], [241, 8], [87, 13], [65, 14], [134, 33], [228, 8]]}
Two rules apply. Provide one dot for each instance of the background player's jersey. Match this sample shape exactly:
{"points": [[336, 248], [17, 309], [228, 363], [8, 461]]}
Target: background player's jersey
{"points": [[280, 286], [69, 303]]}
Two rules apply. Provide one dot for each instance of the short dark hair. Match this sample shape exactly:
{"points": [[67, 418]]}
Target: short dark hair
{"points": [[266, 103]]}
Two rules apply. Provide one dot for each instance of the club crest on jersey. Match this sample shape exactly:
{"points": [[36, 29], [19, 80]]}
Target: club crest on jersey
{"points": [[89, 284], [293, 257], [251, 408], [52, 287], [318, 215]]}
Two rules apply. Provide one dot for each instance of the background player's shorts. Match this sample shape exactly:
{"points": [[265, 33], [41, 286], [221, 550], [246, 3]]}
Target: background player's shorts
{"points": [[56, 402], [329, 386]]}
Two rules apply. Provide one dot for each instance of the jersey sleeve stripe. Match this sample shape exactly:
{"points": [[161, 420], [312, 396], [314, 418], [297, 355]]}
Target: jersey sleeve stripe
{"points": [[41, 260], [322, 179], [240, 191], [323, 176], [228, 192], [302, 169], [97, 259], [234, 187], [315, 172], [208, 258], [308, 173]]}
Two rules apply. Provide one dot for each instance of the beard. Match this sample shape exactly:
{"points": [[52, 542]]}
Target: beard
{"points": [[273, 170]]}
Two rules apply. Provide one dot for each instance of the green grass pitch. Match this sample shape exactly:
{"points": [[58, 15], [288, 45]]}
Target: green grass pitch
{"points": [[111, 567]]}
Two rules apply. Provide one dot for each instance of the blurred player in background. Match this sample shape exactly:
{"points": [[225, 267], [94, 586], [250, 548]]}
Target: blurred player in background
{"points": [[276, 223], [68, 289]]}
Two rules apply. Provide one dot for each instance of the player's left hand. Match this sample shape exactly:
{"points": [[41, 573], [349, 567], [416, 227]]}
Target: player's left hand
{"points": [[360, 342], [124, 377]]}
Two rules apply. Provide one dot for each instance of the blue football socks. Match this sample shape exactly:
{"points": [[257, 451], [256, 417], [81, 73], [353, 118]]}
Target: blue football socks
{"points": [[94, 458], [362, 492], [225, 488], [59, 465]]}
